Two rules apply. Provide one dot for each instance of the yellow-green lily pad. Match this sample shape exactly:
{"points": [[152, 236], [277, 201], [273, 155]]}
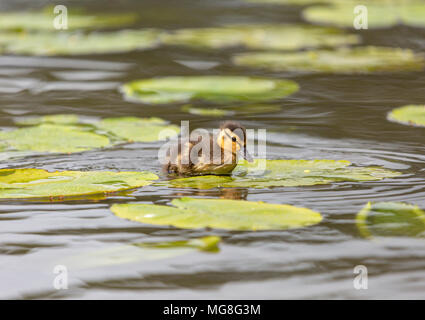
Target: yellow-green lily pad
{"points": [[413, 115], [394, 219], [53, 138], [77, 43], [344, 60], [63, 119], [190, 213], [219, 89], [43, 20], [286, 173], [380, 14], [68, 133], [138, 129], [266, 37], [39, 183]]}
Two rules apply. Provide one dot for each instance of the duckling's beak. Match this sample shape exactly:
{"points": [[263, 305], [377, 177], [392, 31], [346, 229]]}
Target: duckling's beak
{"points": [[245, 154]]}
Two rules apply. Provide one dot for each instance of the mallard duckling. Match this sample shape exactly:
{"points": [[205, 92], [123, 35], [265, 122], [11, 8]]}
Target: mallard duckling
{"points": [[209, 154]]}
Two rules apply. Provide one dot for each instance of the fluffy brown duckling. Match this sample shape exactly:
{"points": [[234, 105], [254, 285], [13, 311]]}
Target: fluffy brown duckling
{"points": [[214, 154]]}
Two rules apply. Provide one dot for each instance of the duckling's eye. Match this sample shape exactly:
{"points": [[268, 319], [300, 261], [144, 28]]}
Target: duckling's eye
{"points": [[234, 139]]}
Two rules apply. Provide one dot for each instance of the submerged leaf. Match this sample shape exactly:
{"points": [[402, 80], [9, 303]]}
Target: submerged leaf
{"points": [[138, 252], [286, 173], [411, 115], [391, 219], [275, 37], [38, 183], [55, 119], [344, 60], [189, 213], [68, 43], [379, 14], [53, 138], [220, 89], [212, 112]]}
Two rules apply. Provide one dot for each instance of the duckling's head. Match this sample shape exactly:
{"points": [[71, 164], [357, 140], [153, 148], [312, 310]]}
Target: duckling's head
{"points": [[232, 138]]}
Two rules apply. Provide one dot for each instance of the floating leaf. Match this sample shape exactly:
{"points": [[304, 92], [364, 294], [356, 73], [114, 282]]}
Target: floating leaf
{"points": [[411, 115], [38, 183], [286, 173], [212, 112], [220, 89], [192, 213], [66, 43], [232, 110], [138, 129], [53, 138], [344, 60], [43, 20], [394, 219], [275, 37], [379, 14], [55, 119]]}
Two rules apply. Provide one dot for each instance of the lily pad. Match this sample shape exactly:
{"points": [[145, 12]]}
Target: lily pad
{"points": [[189, 213], [54, 119], [232, 110], [394, 219], [411, 115], [68, 133], [53, 138], [219, 89], [138, 129], [380, 14], [286, 173], [343, 60], [75, 43], [274, 37], [211, 112], [38, 183], [43, 20]]}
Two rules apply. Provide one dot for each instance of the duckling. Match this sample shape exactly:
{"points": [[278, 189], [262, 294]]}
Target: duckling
{"points": [[209, 154]]}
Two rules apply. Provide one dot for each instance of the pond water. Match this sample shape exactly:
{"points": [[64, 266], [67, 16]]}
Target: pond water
{"points": [[331, 117]]}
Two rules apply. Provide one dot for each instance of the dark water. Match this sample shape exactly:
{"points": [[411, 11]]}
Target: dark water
{"points": [[332, 116]]}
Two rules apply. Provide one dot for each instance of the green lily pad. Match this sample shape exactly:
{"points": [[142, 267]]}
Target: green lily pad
{"points": [[38, 183], [286, 173], [189, 213], [380, 14], [394, 219], [411, 115], [219, 89], [138, 129], [343, 60], [43, 20], [63, 119], [74, 43], [274, 37], [211, 112], [232, 110], [68, 133], [53, 138]]}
